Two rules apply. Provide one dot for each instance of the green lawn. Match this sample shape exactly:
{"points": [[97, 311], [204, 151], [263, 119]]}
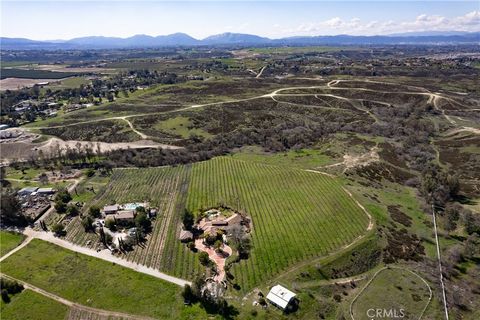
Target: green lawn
{"points": [[29, 305], [303, 158], [26, 174], [96, 283], [180, 126], [9, 240], [393, 289]]}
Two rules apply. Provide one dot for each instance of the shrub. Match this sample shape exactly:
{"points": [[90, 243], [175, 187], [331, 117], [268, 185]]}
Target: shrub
{"points": [[5, 296], [110, 224], [58, 229], [90, 172], [94, 212], [142, 222], [204, 259], [60, 206], [87, 222], [72, 210], [191, 246]]}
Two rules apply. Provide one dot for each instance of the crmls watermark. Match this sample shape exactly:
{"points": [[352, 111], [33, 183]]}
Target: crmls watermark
{"points": [[380, 313]]}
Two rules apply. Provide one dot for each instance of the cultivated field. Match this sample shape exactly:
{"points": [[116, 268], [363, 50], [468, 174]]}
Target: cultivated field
{"points": [[297, 215], [164, 188]]}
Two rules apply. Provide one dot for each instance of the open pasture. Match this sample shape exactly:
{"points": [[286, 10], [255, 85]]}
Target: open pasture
{"points": [[96, 283], [29, 305], [395, 291], [9, 241]]}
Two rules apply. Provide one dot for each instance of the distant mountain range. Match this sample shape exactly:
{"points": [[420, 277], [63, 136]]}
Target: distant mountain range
{"points": [[239, 39]]}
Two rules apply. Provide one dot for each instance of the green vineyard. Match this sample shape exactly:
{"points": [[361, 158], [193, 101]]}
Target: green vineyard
{"points": [[296, 215]]}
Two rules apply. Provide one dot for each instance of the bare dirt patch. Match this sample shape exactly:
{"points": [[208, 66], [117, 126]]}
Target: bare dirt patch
{"points": [[18, 83]]}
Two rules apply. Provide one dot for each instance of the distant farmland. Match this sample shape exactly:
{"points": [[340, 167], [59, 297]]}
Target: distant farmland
{"points": [[34, 74], [297, 215]]}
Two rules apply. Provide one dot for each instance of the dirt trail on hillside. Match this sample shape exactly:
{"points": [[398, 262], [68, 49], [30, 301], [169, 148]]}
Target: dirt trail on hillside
{"points": [[53, 143]]}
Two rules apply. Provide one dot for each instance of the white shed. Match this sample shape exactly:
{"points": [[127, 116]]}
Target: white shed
{"points": [[280, 296]]}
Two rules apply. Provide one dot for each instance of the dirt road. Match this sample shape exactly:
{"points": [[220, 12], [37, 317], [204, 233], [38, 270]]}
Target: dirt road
{"points": [[71, 304], [103, 254]]}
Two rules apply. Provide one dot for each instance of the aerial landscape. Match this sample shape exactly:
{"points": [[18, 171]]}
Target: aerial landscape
{"points": [[240, 160]]}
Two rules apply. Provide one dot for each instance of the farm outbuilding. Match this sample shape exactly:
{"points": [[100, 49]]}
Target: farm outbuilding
{"points": [[27, 191], [112, 209], [280, 297], [46, 191], [125, 216]]}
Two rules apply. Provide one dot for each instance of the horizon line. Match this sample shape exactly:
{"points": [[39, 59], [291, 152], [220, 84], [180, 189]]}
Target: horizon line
{"points": [[250, 34]]}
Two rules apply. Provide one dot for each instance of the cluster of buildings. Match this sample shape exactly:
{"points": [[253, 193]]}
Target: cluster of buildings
{"points": [[213, 221], [124, 214], [77, 106], [35, 201]]}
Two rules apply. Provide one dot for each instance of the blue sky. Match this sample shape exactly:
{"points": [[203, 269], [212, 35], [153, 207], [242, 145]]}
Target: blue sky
{"points": [[44, 20]]}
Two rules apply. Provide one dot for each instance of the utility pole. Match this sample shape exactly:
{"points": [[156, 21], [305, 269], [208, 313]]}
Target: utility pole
{"points": [[440, 264]]}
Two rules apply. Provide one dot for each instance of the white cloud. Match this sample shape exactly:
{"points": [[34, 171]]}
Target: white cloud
{"points": [[423, 22]]}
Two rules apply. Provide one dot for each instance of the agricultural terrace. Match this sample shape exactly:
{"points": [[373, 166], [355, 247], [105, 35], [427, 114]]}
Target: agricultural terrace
{"points": [[296, 214]]}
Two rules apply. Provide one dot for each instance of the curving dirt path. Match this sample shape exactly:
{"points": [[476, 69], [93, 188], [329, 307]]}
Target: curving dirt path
{"points": [[75, 305], [392, 267], [142, 135], [260, 73], [433, 98]]}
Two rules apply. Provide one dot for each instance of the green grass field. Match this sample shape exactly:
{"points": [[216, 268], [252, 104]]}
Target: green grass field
{"points": [[393, 289], [29, 305], [304, 158], [9, 240], [180, 126], [97, 283]]}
